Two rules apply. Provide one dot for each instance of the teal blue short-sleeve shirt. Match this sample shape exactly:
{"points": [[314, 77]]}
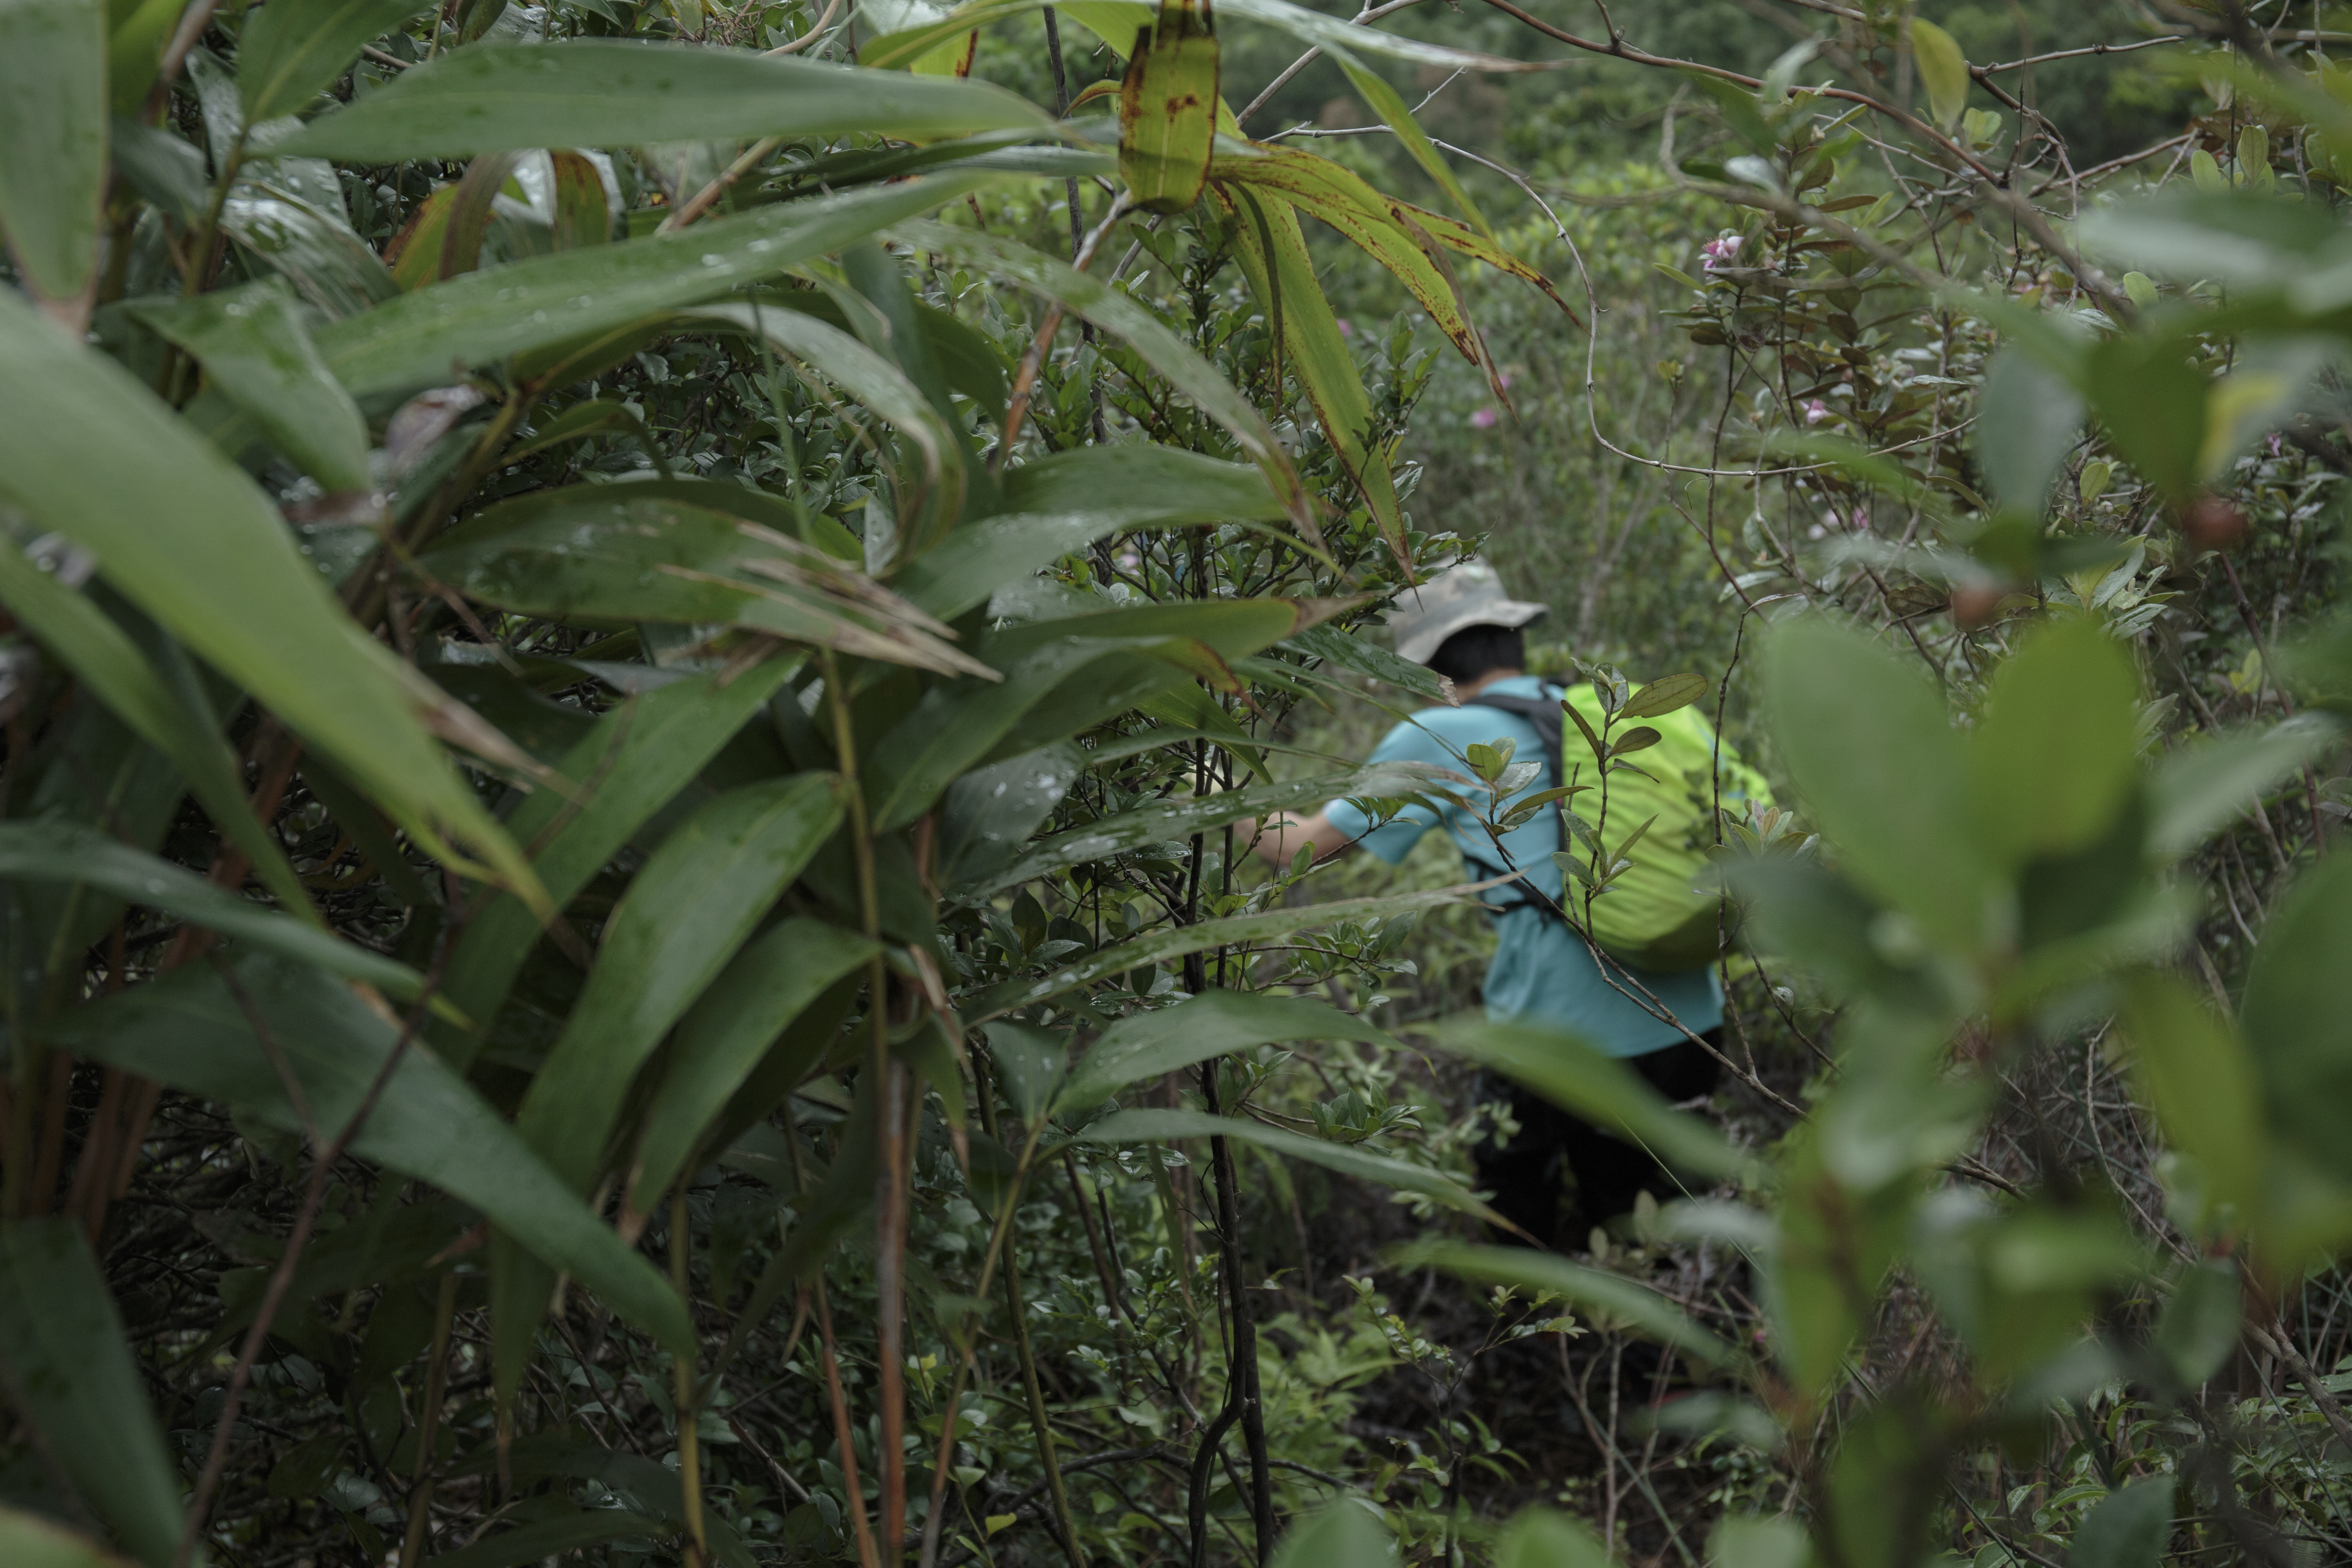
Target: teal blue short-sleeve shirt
{"points": [[1543, 971]]}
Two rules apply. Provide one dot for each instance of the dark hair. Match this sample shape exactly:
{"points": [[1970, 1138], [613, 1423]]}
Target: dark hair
{"points": [[1474, 650]]}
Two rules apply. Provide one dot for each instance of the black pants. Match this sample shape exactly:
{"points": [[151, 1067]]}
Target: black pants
{"points": [[1523, 1171]]}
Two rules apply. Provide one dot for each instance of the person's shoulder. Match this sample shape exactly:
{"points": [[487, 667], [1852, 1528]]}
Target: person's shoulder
{"points": [[1520, 688], [1436, 735], [1525, 685]]}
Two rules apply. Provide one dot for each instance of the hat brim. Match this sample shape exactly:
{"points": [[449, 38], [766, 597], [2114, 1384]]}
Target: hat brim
{"points": [[1425, 641]]}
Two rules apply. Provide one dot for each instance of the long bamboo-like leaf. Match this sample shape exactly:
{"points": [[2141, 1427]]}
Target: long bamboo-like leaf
{"points": [[683, 917], [545, 1538], [584, 211], [1273, 255], [1064, 503], [956, 727], [414, 254], [1194, 640], [66, 852], [1210, 1024], [1169, 820], [1595, 1289], [1339, 196], [639, 1483], [328, 266], [898, 51], [102, 655], [189, 539], [190, 1032], [1115, 23], [1330, 33], [1231, 627], [968, 360], [256, 349], [981, 557], [291, 51], [1113, 311], [482, 318], [825, 1220], [1063, 677], [727, 1033], [1463, 240], [1166, 1126], [620, 553], [644, 752], [1238, 932], [28, 1541], [52, 123], [1330, 644], [1168, 108], [392, 1247], [1190, 711], [1176, 485], [72, 1374], [1567, 1072], [591, 416], [873, 381], [598, 92], [467, 222], [1390, 107]]}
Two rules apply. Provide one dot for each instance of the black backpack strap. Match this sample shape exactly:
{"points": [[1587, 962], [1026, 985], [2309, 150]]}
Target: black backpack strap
{"points": [[1543, 712]]}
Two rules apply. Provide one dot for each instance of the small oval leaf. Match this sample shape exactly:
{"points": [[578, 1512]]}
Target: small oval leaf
{"points": [[1666, 694]]}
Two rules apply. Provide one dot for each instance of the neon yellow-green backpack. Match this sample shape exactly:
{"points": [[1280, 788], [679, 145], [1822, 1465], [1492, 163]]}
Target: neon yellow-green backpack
{"points": [[1651, 916]]}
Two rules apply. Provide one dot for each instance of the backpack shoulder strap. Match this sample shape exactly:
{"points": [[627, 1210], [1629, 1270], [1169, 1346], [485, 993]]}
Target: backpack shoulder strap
{"points": [[1543, 712]]}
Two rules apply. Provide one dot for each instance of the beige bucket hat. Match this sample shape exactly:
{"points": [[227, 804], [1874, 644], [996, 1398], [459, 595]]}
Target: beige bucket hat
{"points": [[1470, 595]]}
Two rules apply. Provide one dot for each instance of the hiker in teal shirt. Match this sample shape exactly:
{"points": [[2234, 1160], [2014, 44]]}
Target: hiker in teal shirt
{"points": [[1543, 973]]}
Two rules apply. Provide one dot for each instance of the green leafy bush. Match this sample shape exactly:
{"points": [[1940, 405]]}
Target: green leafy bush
{"points": [[627, 777]]}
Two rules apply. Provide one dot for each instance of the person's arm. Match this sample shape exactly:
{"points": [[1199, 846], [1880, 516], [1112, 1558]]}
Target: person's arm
{"points": [[1281, 835], [1341, 825]]}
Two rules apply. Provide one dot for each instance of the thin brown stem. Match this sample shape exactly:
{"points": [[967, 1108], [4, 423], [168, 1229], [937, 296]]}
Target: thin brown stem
{"points": [[867, 1555], [1025, 383], [999, 1236], [1039, 1424], [429, 1424], [690, 1444], [721, 183], [281, 1278], [890, 1138]]}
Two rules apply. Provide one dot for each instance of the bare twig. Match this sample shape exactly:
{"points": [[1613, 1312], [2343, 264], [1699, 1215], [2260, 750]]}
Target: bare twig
{"points": [[1026, 381], [281, 1278], [720, 183], [816, 31]]}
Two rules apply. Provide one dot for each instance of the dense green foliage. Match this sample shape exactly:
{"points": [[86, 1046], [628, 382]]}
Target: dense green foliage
{"points": [[628, 767]]}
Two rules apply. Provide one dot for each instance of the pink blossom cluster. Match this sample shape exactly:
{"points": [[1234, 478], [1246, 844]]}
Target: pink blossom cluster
{"points": [[1720, 252]]}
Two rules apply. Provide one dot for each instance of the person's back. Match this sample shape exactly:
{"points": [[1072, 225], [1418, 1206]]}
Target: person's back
{"points": [[1544, 971]]}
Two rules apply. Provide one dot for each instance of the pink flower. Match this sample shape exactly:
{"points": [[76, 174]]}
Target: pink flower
{"points": [[1506, 379], [1483, 419], [1719, 252], [1346, 328], [2274, 447], [1816, 411]]}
